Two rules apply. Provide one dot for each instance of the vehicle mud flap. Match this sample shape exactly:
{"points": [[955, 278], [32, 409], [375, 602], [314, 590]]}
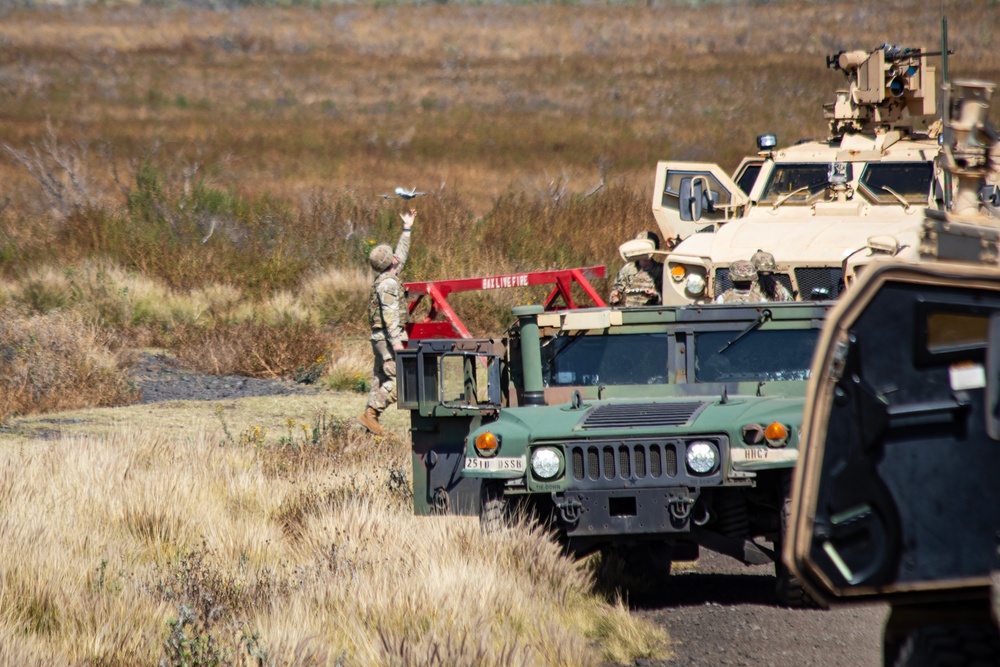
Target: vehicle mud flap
{"points": [[743, 550]]}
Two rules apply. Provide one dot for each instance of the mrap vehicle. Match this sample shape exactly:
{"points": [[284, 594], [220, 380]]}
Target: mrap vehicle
{"points": [[822, 208], [647, 433], [896, 496]]}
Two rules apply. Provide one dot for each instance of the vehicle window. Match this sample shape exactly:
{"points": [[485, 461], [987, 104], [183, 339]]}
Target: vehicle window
{"points": [[748, 177], [805, 180], [757, 356], [911, 180], [675, 181], [947, 331], [569, 360]]}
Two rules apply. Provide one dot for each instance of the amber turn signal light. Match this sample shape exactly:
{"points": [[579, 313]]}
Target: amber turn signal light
{"points": [[677, 273], [487, 443], [776, 434]]}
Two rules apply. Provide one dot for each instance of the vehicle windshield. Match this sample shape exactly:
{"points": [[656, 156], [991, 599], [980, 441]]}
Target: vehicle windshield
{"points": [[910, 180], [804, 180], [578, 360], [770, 355]]}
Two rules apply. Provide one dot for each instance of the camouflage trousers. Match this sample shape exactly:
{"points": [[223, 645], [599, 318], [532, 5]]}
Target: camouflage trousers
{"points": [[383, 391]]}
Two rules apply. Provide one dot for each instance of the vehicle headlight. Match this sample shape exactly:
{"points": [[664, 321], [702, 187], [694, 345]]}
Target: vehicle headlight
{"points": [[702, 457], [695, 285], [545, 462]]}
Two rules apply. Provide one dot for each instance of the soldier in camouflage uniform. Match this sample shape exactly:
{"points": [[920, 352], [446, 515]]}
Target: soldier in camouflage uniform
{"points": [[639, 281], [388, 334], [745, 288], [770, 288]]}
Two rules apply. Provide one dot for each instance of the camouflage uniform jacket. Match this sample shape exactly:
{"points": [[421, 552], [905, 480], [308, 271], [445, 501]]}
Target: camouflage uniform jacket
{"points": [[781, 293], [633, 283], [751, 294], [385, 299]]}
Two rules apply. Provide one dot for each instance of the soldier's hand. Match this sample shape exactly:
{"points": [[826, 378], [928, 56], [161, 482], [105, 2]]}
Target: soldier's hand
{"points": [[614, 297], [408, 219]]}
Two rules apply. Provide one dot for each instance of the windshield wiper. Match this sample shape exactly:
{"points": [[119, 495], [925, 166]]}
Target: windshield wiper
{"points": [[901, 198], [765, 316]]}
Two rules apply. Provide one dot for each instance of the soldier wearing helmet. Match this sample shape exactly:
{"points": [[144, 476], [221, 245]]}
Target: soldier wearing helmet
{"points": [[769, 287], [639, 281], [388, 334], [744, 278]]}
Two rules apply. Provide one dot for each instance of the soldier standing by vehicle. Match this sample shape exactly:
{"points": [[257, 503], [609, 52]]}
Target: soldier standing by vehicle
{"points": [[770, 288], [745, 288], [388, 334], [639, 281]]}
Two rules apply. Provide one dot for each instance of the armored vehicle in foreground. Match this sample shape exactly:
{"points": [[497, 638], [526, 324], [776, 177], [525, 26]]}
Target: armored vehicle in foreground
{"points": [[822, 208], [896, 495], [646, 432]]}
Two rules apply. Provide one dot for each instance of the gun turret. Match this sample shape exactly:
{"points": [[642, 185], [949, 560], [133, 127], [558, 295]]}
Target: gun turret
{"points": [[970, 232], [889, 88]]}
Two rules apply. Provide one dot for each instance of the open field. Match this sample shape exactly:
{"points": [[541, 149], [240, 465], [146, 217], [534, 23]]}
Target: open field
{"points": [[210, 182]]}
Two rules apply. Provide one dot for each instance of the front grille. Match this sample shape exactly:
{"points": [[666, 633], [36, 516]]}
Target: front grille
{"points": [[722, 281], [642, 415], [823, 278], [625, 461]]}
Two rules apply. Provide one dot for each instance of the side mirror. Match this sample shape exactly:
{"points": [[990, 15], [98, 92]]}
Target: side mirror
{"points": [[691, 199]]}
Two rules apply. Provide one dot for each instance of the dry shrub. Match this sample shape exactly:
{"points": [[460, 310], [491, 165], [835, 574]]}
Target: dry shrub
{"points": [[338, 295], [255, 349], [57, 361], [350, 366]]}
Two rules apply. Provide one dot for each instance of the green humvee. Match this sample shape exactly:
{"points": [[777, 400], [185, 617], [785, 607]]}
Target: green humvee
{"points": [[648, 432]]}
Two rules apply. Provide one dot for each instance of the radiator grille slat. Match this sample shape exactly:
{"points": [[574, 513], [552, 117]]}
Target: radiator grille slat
{"points": [[722, 281], [609, 463], [830, 279], [578, 469], [644, 415], [624, 461]]}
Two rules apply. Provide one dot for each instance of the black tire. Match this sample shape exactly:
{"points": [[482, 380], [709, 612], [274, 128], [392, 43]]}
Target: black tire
{"points": [[634, 568], [789, 589], [494, 510], [950, 646]]}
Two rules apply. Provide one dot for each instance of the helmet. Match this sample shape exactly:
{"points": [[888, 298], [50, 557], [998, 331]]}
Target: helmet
{"points": [[763, 261], [650, 236], [381, 257], [741, 271]]}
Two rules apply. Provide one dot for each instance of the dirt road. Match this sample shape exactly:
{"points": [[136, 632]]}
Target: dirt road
{"points": [[722, 613]]}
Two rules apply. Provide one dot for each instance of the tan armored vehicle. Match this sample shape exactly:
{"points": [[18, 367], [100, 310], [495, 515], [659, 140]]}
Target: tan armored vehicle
{"points": [[895, 494], [822, 208]]}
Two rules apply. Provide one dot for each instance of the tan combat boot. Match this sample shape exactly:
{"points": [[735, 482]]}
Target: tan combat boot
{"points": [[369, 419]]}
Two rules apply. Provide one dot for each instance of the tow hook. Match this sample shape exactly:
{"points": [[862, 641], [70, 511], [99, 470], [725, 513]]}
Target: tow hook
{"points": [[570, 510], [440, 501], [680, 508]]}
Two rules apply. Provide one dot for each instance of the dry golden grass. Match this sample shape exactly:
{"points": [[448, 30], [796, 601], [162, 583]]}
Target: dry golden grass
{"points": [[57, 362], [132, 547]]}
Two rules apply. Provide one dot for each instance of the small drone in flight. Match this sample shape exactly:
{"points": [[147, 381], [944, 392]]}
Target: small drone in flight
{"points": [[405, 194]]}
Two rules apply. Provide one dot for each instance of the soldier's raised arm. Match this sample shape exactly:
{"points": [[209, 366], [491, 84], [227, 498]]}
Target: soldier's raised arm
{"points": [[403, 247]]}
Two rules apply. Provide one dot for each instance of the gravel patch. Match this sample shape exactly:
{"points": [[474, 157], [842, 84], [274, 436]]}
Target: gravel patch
{"points": [[162, 378]]}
